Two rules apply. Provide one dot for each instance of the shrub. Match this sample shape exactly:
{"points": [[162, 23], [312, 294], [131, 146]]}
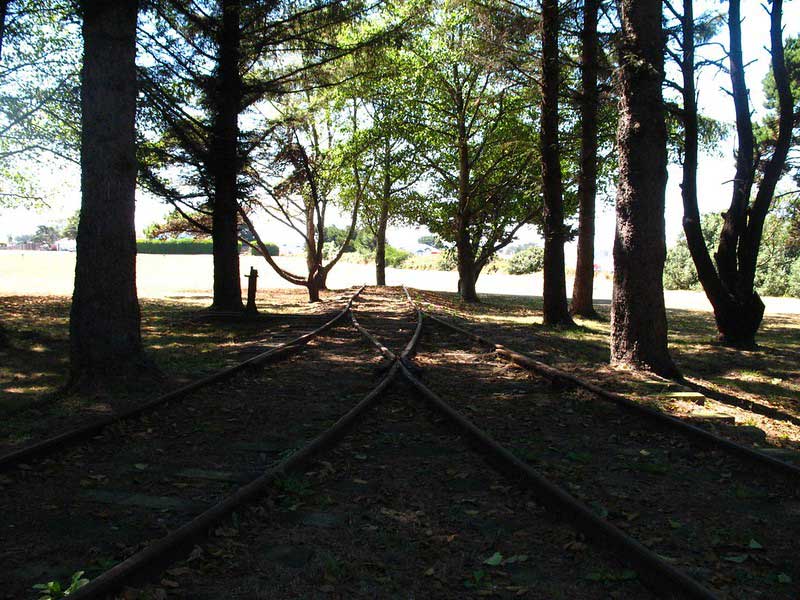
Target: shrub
{"points": [[396, 257], [272, 249], [497, 265], [679, 271], [529, 260], [179, 246], [793, 283]]}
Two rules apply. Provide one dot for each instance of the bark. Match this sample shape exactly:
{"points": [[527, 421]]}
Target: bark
{"points": [[467, 277], [638, 316], [728, 281], [313, 291], [380, 243], [556, 310], [3, 12], [383, 218], [226, 101], [735, 219], [583, 287], [321, 279], [105, 336]]}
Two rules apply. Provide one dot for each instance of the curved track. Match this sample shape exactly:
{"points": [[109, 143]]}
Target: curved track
{"points": [[636, 488], [689, 498]]}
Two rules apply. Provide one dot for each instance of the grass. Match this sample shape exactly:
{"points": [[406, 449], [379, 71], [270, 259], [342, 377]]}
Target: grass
{"points": [[765, 380], [34, 366]]}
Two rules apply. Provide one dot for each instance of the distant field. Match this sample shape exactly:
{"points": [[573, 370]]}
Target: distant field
{"points": [[162, 276]]}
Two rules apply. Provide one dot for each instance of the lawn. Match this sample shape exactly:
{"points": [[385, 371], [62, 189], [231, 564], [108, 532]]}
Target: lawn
{"points": [[758, 388], [183, 343]]}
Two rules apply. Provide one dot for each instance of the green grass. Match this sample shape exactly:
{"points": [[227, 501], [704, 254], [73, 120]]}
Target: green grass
{"points": [[770, 374], [34, 365]]}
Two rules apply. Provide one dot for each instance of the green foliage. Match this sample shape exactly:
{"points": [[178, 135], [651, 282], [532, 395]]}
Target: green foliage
{"points": [[778, 269], [52, 590], [679, 271], [448, 261], [336, 236], [529, 260], [396, 257], [40, 91], [45, 235], [272, 249], [70, 230], [182, 246], [497, 265], [432, 240], [474, 129], [175, 225]]}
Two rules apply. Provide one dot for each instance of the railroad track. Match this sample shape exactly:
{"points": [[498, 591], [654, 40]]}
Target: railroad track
{"points": [[117, 485], [51, 444], [610, 507], [701, 502]]}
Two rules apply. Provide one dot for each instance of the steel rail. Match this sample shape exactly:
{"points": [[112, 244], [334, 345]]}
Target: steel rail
{"points": [[43, 447], [172, 546], [663, 577], [692, 431]]}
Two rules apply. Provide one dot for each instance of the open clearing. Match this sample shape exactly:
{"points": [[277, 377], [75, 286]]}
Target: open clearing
{"points": [[166, 276]]}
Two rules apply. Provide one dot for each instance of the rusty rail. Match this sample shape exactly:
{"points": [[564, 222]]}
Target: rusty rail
{"points": [[43, 447]]}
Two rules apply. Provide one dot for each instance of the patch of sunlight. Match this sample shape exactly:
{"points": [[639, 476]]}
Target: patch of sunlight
{"points": [[748, 375], [38, 348], [523, 320], [34, 389]]}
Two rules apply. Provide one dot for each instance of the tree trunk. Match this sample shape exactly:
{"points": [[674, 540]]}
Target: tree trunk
{"points": [[3, 12], [313, 290], [582, 289], [638, 315], [380, 243], [105, 336], [465, 256], [321, 278], [226, 101], [556, 310], [466, 277], [728, 281]]}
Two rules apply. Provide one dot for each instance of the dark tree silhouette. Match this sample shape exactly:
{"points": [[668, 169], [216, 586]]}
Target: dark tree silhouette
{"points": [[3, 11], [582, 288], [729, 279], [638, 315], [556, 311], [226, 100], [105, 336]]}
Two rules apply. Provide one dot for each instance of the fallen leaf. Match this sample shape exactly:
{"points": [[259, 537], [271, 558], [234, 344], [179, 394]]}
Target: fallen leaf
{"points": [[735, 558]]}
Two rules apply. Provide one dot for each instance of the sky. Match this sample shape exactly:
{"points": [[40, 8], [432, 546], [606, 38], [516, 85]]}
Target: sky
{"points": [[61, 187]]}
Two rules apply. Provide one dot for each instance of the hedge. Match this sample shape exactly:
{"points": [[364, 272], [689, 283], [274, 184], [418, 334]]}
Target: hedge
{"points": [[271, 248], [183, 246], [186, 246]]}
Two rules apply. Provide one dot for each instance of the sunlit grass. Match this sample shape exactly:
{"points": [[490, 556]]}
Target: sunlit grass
{"points": [[769, 376], [34, 368]]}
